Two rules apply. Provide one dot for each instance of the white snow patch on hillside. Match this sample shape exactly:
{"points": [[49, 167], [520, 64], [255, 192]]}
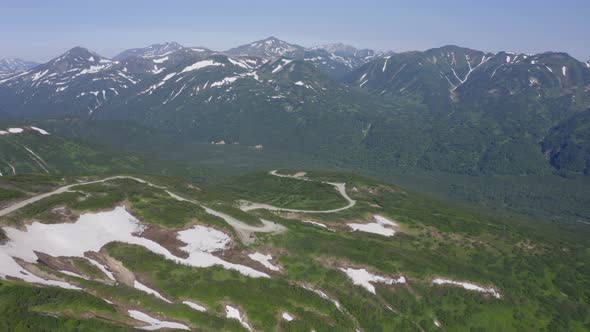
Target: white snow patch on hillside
{"points": [[93, 230], [234, 313], [92, 70], [201, 64], [195, 306], [127, 77], [205, 239], [39, 130], [38, 159], [38, 75], [324, 296], [564, 70], [227, 80], [281, 65], [286, 316], [10, 268], [239, 63], [264, 260], [381, 226], [154, 323], [385, 63], [157, 70], [160, 60], [468, 286], [365, 279], [102, 268], [315, 223], [15, 130], [72, 274], [144, 288]]}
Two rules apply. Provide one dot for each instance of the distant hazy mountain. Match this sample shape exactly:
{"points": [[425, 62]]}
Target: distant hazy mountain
{"points": [[79, 81], [152, 51], [268, 48], [448, 74], [335, 60], [161, 51], [10, 66]]}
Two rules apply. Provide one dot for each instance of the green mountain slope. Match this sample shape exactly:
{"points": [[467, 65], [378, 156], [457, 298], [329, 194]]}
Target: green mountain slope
{"points": [[568, 144], [435, 116], [32, 152], [530, 276]]}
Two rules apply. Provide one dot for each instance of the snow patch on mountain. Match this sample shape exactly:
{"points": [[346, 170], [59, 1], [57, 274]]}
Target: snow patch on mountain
{"points": [[468, 286], [265, 260], [381, 226], [365, 279], [281, 64], [234, 313], [154, 323], [201, 64]]}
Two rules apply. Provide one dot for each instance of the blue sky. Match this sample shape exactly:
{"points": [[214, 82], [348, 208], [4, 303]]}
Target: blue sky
{"points": [[41, 29]]}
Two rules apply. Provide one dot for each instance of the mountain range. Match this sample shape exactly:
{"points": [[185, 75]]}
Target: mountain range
{"points": [[450, 109], [12, 66]]}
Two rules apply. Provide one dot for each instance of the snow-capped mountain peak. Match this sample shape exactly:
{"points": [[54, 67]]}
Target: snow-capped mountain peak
{"points": [[268, 48], [77, 57], [337, 48], [152, 51]]}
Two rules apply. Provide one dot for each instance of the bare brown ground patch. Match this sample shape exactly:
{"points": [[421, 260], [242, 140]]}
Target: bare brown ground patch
{"points": [[238, 256], [166, 237], [121, 273]]}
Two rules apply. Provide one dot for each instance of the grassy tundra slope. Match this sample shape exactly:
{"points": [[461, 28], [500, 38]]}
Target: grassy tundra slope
{"points": [[386, 263], [31, 151]]}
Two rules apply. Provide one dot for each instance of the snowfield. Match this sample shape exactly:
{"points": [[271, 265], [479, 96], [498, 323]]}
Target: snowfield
{"points": [[15, 130], [264, 260], [205, 239], [154, 323], [195, 306], [234, 313], [468, 286], [93, 231], [381, 226], [10, 268], [40, 131], [201, 64], [366, 279]]}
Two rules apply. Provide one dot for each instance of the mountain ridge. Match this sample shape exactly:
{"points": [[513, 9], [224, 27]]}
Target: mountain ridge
{"points": [[441, 93]]}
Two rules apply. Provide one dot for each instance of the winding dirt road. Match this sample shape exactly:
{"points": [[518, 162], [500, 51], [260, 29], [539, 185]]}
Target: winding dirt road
{"points": [[244, 231], [340, 187]]}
